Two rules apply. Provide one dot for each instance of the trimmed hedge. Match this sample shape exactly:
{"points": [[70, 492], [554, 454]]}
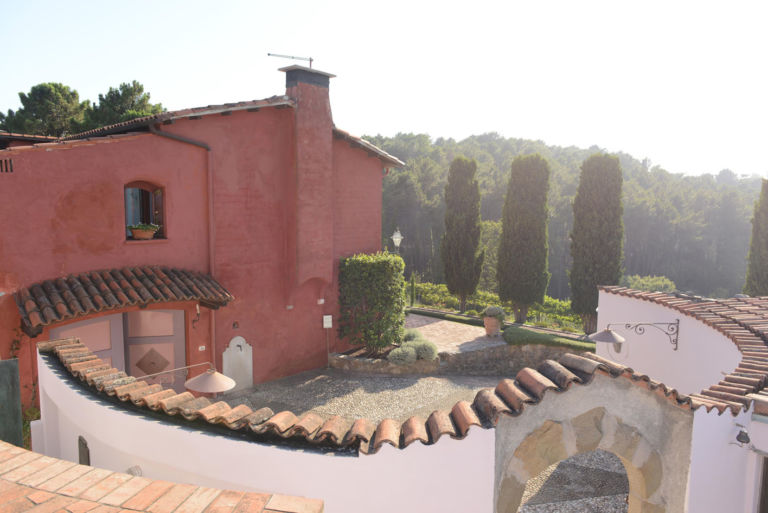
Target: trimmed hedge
{"points": [[372, 299], [518, 336]]}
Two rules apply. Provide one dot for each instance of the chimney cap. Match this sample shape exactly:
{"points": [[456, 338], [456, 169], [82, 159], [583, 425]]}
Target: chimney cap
{"points": [[296, 67]]}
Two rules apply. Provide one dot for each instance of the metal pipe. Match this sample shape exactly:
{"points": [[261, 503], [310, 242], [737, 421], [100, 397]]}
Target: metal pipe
{"points": [[177, 369]]}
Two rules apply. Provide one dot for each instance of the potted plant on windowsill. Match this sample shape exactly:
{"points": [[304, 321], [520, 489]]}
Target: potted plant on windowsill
{"points": [[493, 318], [143, 231]]}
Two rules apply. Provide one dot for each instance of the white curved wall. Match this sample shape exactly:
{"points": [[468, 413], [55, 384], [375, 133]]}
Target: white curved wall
{"points": [[452, 475], [703, 354]]}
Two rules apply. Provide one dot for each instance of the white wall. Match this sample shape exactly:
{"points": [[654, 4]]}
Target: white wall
{"points": [[452, 475], [703, 353], [723, 476]]}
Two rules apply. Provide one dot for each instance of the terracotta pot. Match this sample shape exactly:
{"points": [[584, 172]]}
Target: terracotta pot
{"points": [[492, 326], [142, 234]]}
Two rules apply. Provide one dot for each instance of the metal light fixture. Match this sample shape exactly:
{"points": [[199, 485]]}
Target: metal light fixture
{"points": [[209, 382], [397, 238], [608, 336], [743, 437], [670, 329]]}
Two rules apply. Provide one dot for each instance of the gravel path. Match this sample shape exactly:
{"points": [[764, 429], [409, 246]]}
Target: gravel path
{"points": [[334, 392]]}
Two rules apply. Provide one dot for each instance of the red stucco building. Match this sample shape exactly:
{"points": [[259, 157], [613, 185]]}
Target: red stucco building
{"points": [[257, 201]]}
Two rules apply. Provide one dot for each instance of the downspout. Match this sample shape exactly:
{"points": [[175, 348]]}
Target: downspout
{"points": [[211, 224]]}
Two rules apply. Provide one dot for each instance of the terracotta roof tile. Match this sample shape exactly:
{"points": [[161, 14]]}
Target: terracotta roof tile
{"points": [[388, 431], [510, 397], [61, 299], [439, 423], [744, 321], [414, 429], [534, 382]]}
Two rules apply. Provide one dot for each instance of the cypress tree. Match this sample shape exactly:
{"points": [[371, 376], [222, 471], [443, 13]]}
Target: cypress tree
{"points": [[597, 236], [462, 261], [522, 263], [757, 261]]}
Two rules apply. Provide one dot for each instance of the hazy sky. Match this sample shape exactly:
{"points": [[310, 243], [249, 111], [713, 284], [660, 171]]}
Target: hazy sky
{"points": [[684, 84]]}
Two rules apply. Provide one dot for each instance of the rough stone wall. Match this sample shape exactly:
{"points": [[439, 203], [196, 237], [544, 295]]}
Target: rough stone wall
{"points": [[499, 361], [493, 361], [651, 436]]}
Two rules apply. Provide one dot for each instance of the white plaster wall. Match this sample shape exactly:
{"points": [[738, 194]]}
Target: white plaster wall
{"points": [[703, 354], [723, 476], [452, 475]]}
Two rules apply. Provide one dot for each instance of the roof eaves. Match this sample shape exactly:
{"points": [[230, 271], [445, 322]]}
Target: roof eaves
{"points": [[372, 150]]}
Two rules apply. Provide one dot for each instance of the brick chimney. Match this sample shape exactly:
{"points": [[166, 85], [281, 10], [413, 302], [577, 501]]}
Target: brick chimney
{"points": [[310, 246]]}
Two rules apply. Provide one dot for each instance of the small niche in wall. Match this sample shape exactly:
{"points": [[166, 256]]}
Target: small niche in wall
{"points": [[83, 453]]}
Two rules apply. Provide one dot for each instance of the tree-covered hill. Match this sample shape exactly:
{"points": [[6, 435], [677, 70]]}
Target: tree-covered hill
{"points": [[693, 229]]}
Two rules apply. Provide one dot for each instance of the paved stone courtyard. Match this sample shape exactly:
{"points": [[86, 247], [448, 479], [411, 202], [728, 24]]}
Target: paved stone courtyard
{"points": [[590, 483]]}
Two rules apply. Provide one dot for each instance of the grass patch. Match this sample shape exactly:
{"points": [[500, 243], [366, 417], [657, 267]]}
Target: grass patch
{"points": [[28, 416], [519, 336]]}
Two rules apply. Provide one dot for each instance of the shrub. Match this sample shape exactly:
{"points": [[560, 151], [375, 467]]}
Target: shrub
{"points": [[402, 355], [473, 313], [372, 299], [494, 311], [425, 349], [411, 334]]}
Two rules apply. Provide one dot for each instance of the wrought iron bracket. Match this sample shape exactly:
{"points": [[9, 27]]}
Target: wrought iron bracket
{"points": [[670, 329]]}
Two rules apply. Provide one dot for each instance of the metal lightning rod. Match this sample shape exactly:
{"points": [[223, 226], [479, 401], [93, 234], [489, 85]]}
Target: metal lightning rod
{"points": [[292, 57]]}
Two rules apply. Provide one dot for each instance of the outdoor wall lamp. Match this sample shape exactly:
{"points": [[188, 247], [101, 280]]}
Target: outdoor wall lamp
{"points": [[670, 329], [742, 437], [397, 238], [209, 382]]}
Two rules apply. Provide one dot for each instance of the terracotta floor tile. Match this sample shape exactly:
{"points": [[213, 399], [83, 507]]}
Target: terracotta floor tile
{"points": [[104, 487], [125, 491], [226, 502], [105, 509], [199, 500], [172, 498], [19, 505], [148, 495], [84, 481], [18, 461], [39, 496], [294, 504], [65, 478], [10, 452], [47, 473], [13, 491], [252, 503], [28, 469], [55, 504], [81, 506]]}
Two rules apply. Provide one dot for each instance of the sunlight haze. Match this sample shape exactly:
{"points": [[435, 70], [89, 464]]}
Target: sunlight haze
{"points": [[680, 83]]}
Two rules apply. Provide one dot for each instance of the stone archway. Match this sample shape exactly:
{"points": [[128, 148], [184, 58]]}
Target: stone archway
{"points": [[650, 435]]}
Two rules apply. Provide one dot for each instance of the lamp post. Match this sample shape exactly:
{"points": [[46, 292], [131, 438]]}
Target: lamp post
{"points": [[397, 238]]}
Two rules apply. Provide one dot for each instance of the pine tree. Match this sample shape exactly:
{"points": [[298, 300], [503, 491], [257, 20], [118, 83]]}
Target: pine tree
{"points": [[598, 232], [757, 261], [462, 261], [522, 263]]}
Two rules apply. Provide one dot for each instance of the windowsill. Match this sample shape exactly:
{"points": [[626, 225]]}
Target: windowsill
{"points": [[144, 241]]}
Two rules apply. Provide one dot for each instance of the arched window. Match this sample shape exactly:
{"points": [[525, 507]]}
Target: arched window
{"points": [[144, 205]]}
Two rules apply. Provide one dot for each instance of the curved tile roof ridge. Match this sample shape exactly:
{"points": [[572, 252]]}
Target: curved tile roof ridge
{"points": [[743, 320], [76, 295], [509, 397]]}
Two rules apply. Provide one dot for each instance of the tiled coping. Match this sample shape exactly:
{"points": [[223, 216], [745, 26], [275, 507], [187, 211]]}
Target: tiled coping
{"points": [[32, 482]]}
